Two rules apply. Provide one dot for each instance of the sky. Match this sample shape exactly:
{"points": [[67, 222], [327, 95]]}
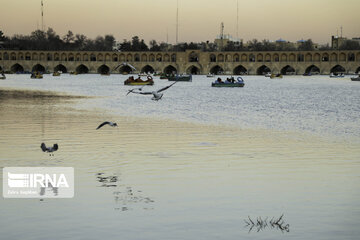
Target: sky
{"points": [[199, 20]]}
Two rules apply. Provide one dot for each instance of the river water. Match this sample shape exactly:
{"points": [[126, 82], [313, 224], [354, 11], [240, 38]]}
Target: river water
{"points": [[195, 164]]}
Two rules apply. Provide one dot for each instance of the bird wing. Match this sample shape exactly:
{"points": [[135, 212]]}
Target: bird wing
{"points": [[132, 90], [144, 93], [164, 88], [104, 123], [43, 147], [55, 147]]}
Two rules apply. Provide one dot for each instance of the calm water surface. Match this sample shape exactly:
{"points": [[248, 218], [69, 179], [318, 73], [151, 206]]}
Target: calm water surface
{"points": [[193, 165]]}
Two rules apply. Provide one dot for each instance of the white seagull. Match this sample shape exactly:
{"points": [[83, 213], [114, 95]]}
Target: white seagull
{"points": [[105, 123], [157, 95], [49, 149]]}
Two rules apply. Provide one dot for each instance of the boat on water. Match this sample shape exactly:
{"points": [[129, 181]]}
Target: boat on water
{"points": [[134, 82], [356, 78], [268, 75], [36, 75], [210, 75], [56, 74], [230, 82], [337, 75], [73, 73], [276, 76], [180, 78], [2, 77]]}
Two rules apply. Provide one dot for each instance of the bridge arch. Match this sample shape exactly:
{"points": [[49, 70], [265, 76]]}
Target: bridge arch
{"points": [[288, 70], [342, 57], [170, 69], [193, 70], [263, 70], [244, 58], [217, 70], [316, 57], [147, 69], [259, 57], [115, 57], [236, 58], [136, 58], [38, 68], [240, 70], [333, 57], [357, 70], [144, 57], [82, 69], [337, 69], [220, 58], [312, 69], [308, 57], [267, 57], [166, 58], [292, 57], [276, 58], [125, 69], [193, 57], [17, 68], [60, 68], [103, 69]]}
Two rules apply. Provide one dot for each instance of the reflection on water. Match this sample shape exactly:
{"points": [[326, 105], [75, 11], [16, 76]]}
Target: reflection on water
{"points": [[260, 224], [197, 180], [125, 197]]}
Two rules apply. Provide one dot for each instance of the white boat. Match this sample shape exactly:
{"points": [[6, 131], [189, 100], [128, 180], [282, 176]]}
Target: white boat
{"points": [[210, 75], [337, 75]]}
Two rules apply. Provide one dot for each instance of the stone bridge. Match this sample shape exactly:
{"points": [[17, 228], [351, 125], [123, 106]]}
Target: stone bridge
{"points": [[190, 61]]}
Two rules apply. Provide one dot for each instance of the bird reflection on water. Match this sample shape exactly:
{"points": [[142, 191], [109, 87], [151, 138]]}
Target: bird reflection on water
{"points": [[125, 197]]}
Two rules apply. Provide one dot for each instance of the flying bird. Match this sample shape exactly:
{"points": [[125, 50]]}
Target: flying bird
{"points": [[49, 149], [107, 123], [157, 95]]}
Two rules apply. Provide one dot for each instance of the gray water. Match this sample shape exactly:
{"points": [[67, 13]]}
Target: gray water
{"points": [[195, 164]]}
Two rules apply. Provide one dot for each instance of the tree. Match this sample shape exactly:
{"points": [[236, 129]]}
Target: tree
{"points": [[69, 37]]}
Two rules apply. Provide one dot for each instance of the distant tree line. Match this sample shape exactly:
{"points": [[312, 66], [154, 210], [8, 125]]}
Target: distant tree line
{"points": [[49, 40]]}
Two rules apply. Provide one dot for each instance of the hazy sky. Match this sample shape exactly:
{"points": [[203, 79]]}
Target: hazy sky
{"points": [[199, 20]]}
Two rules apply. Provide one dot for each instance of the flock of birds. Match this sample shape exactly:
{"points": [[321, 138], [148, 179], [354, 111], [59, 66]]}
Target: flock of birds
{"points": [[157, 95]]}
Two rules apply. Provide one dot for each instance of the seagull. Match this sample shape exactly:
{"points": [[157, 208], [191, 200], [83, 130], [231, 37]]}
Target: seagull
{"points": [[49, 149], [104, 123], [157, 95]]}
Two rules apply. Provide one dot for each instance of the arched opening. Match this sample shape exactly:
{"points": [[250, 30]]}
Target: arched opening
{"points": [[312, 69], [337, 69], [263, 70], [82, 69], [1, 69], [193, 70], [147, 69], [193, 57], [60, 68], [240, 70], [170, 69], [103, 69], [38, 68], [125, 69], [216, 70], [357, 70], [288, 70], [17, 68], [212, 58]]}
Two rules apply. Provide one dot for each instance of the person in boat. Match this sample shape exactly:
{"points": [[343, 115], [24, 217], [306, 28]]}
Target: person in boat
{"points": [[218, 80], [3, 73]]}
